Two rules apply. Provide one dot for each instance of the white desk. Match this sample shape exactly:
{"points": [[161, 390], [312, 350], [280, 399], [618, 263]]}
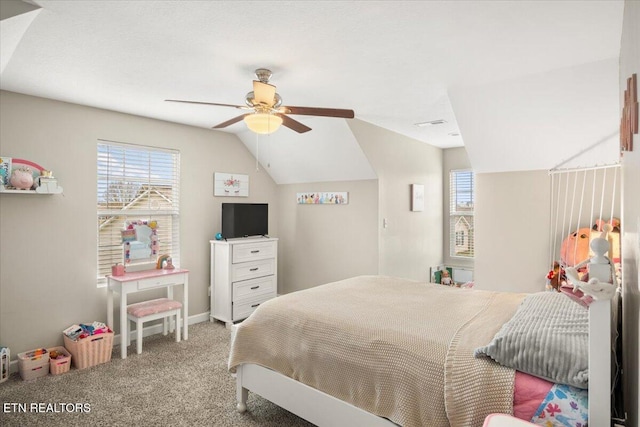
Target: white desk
{"points": [[143, 281]]}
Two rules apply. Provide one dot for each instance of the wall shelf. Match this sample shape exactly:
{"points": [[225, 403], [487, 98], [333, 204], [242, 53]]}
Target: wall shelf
{"points": [[45, 184], [58, 190]]}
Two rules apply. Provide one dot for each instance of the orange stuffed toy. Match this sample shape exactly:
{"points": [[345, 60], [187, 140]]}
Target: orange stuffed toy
{"points": [[575, 247]]}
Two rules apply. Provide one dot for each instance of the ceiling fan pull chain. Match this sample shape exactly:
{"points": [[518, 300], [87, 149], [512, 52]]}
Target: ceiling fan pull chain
{"points": [[257, 153]]}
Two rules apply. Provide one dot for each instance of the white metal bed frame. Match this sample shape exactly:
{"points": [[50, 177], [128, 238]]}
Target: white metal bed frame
{"points": [[322, 409]]}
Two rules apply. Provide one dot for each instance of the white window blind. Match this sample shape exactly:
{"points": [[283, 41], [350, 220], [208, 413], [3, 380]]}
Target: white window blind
{"points": [[461, 206], [136, 183]]}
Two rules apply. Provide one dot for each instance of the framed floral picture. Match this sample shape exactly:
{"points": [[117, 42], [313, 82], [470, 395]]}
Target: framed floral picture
{"points": [[230, 184]]}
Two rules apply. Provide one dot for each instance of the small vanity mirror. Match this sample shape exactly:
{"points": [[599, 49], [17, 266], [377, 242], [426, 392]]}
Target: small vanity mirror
{"points": [[140, 241]]}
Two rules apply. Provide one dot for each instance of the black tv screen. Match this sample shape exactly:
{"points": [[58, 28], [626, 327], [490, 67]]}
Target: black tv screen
{"points": [[245, 219]]}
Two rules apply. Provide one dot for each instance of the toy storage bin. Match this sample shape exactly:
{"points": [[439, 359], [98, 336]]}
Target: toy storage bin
{"points": [[62, 363], [90, 351], [5, 358], [33, 364]]}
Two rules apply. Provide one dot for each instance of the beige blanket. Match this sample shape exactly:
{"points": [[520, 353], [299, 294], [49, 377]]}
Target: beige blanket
{"points": [[396, 348]]}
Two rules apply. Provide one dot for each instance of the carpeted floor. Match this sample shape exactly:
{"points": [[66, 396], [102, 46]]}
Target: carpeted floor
{"points": [[169, 384]]}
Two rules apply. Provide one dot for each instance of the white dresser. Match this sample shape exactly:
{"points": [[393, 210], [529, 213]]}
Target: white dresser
{"points": [[243, 276]]}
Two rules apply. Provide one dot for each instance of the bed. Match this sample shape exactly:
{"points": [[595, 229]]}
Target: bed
{"points": [[375, 350]]}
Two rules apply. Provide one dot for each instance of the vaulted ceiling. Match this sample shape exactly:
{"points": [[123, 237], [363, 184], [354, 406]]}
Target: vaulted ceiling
{"points": [[513, 80]]}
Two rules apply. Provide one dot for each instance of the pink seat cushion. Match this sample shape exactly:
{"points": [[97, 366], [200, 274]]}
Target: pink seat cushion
{"points": [[153, 306]]}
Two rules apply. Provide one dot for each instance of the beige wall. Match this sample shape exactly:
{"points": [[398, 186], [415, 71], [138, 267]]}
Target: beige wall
{"points": [[48, 243], [512, 232], [453, 158], [629, 64], [324, 243], [412, 241]]}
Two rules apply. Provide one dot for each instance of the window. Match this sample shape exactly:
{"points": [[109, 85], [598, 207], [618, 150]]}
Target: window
{"points": [[461, 203], [136, 183]]}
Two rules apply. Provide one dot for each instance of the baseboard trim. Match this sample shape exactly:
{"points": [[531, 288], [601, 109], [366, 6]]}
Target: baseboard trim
{"points": [[147, 331]]}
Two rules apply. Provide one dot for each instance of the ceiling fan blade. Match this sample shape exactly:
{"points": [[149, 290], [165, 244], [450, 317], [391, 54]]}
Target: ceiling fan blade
{"points": [[207, 103], [313, 111], [264, 93], [229, 122], [293, 124]]}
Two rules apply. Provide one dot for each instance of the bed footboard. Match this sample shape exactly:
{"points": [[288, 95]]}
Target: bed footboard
{"points": [[306, 402]]}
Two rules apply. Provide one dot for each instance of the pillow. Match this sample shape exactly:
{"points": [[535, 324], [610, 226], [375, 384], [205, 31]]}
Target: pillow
{"points": [[548, 337]]}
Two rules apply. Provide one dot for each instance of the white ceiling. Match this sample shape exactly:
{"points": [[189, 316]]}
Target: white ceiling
{"points": [[395, 63]]}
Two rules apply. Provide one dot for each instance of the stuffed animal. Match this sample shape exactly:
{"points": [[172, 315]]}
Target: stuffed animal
{"points": [[612, 230], [602, 282], [575, 247], [614, 222], [556, 277]]}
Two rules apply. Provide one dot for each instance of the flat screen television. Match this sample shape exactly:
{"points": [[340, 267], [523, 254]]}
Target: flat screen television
{"points": [[244, 220]]}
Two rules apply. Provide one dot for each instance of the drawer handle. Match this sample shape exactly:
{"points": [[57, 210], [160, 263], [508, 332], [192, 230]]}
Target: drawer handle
{"points": [[254, 269], [255, 287], [255, 251], [255, 305]]}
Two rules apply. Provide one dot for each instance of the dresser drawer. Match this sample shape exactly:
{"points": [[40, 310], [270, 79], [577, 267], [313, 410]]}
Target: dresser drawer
{"points": [[156, 282], [254, 288], [243, 309], [253, 251], [251, 270]]}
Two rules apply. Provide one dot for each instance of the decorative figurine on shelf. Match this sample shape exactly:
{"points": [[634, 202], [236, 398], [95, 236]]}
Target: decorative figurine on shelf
{"points": [[168, 264], [164, 261], [22, 178], [445, 279]]}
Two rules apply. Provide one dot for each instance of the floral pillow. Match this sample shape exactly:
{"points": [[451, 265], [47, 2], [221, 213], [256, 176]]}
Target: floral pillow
{"points": [[564, 406]]}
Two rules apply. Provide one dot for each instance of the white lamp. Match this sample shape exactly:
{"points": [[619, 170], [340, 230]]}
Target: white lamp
{"points": [[263, 123]]}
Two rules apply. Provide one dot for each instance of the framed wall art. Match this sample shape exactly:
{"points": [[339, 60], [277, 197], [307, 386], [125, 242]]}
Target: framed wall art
{"points": [[417, 197], [323, 198], [630, 112], [230, 184]]}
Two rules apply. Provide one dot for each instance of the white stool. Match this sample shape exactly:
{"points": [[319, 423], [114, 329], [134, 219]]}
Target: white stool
{"points": [[161, 308]]}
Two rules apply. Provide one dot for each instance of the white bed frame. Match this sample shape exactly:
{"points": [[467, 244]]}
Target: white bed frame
{"points": [[313, 405], [322, 409]]}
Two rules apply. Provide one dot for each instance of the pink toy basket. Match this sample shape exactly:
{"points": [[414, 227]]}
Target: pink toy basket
{"points": [[62, 363], [90, 351]]}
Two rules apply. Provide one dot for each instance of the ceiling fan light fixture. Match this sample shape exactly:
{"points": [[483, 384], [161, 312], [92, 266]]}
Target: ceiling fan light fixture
{"points": [[268, 112], [263, 123]]}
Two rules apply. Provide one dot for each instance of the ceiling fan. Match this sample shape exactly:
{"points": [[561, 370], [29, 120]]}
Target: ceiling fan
{"points": [[268, 113]]}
